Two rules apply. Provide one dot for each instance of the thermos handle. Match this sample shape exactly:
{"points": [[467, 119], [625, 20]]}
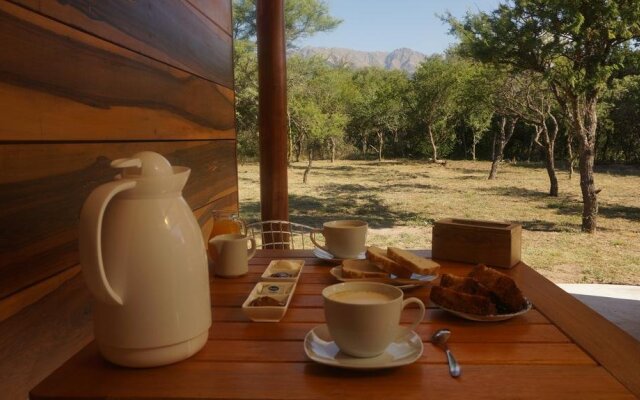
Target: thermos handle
{"points": [[90, 239]]}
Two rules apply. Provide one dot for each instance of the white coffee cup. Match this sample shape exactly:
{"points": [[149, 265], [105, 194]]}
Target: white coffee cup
{"points": [[230, 254], [343, 238], [364, 317]]}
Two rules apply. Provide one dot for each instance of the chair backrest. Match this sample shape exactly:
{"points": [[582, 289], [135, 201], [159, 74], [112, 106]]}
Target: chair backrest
{"points": [[280, 235]]}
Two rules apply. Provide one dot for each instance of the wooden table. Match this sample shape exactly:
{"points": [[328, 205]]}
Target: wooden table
{"points": [[561, 349]]}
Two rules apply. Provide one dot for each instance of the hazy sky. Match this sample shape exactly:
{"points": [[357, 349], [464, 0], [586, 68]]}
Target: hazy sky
{"points": [[385, 25]]}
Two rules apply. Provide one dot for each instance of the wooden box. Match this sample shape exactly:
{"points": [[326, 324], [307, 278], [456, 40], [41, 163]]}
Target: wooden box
{"points": [[491, 243]]}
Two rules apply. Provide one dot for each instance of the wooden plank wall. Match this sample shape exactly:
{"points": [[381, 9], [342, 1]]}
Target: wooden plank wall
{"points": [[83, 82]]}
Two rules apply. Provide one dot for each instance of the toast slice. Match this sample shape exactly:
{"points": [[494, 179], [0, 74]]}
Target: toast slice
{"points": [[463, 302], [357, 269], [509, 296], [412, 262], [379, 257]]}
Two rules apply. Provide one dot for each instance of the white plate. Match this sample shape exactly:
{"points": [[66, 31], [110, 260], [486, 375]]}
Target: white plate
{"points": [[321, 348], [487, 318], [337, 273], [324, 255]]}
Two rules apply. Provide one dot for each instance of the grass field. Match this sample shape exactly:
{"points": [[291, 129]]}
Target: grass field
{"points": [[401, 200]]}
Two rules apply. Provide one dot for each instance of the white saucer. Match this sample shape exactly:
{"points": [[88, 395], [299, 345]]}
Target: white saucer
{"points": [[325, 255], [486, 318], [337, 273], [321, 348]]}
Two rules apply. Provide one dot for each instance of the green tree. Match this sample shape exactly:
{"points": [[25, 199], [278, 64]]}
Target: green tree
{"points": [[432, 99], [576, 45], [620, 122], [303, 18], [376, 108], [316, 111], [245, 66], [474, 100]]}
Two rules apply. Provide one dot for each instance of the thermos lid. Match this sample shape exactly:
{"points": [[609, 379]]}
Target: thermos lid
{"points": [[143, 164]]}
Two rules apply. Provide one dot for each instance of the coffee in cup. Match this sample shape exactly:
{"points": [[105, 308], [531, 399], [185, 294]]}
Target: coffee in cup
{"points": [[364, 317], [343, 238]]}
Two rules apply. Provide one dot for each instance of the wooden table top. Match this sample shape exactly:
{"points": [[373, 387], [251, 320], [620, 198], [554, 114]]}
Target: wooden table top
{"points": [[560, 349]]}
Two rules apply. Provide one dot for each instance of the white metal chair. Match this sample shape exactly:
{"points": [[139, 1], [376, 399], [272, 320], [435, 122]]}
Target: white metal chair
{"points": [[280, 235]]}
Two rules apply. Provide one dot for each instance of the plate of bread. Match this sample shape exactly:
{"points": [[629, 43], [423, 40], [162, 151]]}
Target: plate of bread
{"points": [[483, 295], [394, 266]]}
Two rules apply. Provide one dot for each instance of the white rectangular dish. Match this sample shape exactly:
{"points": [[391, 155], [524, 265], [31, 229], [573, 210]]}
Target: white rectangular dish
{"points": [[283, 271], [269, 292]]}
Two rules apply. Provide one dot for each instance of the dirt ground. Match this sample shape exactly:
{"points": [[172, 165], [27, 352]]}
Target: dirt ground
{"points": [[402, 199]]}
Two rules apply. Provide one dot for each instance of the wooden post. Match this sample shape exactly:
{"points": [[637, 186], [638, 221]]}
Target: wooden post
{"points": [[272, 111]]}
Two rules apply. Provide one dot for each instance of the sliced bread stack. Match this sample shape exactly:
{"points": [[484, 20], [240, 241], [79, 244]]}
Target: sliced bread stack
{"points": [[484, 291], [381, 263]]}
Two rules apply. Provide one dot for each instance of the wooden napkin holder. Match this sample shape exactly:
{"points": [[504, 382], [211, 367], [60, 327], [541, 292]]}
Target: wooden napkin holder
{"points": [[492, 243]]}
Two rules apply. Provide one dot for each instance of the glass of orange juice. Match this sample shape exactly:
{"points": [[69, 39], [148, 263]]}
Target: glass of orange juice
{"points": [[225, 222]]}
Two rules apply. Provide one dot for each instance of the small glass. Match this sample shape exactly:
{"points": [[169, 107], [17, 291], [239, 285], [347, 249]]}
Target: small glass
{"points": [[224, 222]]}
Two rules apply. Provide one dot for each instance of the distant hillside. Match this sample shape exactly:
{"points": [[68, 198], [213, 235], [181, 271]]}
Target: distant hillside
{"points": [[404, 59]]}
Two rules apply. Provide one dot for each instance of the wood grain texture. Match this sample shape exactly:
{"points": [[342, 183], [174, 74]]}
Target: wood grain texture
{"points": [[472, 241], [154, 28], [39, 339], [612, 347], [272, 110], [520, 358], [43, 187], [58, 83], [466, 353], [486, 333], [87, 376], [12, 305], [218, 11], [294, 314]]}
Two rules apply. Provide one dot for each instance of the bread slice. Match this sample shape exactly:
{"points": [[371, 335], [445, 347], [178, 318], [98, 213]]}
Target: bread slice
{"points": [[379, 257], [412, 262], [464, 284], [358, 269], [509, 296], [463, 302]]}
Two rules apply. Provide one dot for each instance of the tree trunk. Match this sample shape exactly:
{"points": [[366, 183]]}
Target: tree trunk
{"points": [[589, 194], [494, 166], [298, 149], [464, 144], [473, 146], [493, 140], [530, 151], [308, 169], [496, 152], [332, 142], [380, 144], [433, 144], [570, 158], [588, 124], [551, 170], [498, 145], [364, 147]]}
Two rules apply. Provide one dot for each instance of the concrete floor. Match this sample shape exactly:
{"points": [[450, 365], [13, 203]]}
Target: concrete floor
{"points": [[619, 304]]}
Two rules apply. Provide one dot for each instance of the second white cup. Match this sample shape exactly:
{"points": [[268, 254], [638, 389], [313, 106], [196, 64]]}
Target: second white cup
{"points": [[343, 238]]}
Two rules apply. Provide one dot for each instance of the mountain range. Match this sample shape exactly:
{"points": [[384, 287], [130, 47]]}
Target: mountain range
{"points": [[404, 59]]}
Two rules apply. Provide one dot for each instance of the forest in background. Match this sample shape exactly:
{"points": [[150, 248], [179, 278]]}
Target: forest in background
{"points": [[531, 81]]}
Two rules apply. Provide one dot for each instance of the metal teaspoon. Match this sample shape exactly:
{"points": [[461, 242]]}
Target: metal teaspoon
{"points": [[440, 338]]}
